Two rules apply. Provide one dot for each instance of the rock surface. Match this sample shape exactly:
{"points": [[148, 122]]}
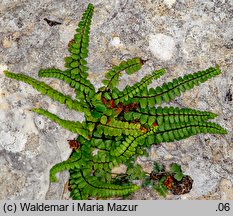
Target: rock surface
{"points": [[181, 36]]}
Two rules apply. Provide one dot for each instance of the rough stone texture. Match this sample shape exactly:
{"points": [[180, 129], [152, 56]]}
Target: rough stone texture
{"points": [[181, 36]]}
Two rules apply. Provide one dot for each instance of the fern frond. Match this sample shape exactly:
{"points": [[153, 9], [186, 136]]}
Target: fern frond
{"points": [[76, 193], [171, 114], [129, 146], [65, 165], [181, 130], [73, 126], [79, 47], [118, 124], [112, 76], [102, 144], [45, 89], [168, 91], [51, 72], [102, 161], [91, 186], [131, 91], [115, 127], [83, 87], [77, 160], [76, 82]]}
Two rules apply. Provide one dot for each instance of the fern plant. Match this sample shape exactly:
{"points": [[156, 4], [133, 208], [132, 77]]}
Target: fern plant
{"points": [[119, 125]]}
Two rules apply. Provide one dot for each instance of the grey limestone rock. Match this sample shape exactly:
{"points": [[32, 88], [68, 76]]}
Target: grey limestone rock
{"points": [[181, 36]]}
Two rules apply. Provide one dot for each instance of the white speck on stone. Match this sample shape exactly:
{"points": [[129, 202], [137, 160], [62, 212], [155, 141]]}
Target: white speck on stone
{"points": [[52, 108], [169, 3], [2, 68], [39, 121], [116, 42], [222, 16], [162, 46]]}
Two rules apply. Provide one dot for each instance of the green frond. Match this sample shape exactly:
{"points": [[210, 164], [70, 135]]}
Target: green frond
{"points": [[135, 172], [181, 130], [73, 126], [77, 160], [77, 82], [51, 72], [77, 194], [131, 91], [117, 128], [79, 46], [84, 98], [129, 146], [88, 185], [102, 161], [104, 176], [112, 76], [168, 91], [102, 144], [171, 114], [119, 125], [65, 165], [45, 89]]}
